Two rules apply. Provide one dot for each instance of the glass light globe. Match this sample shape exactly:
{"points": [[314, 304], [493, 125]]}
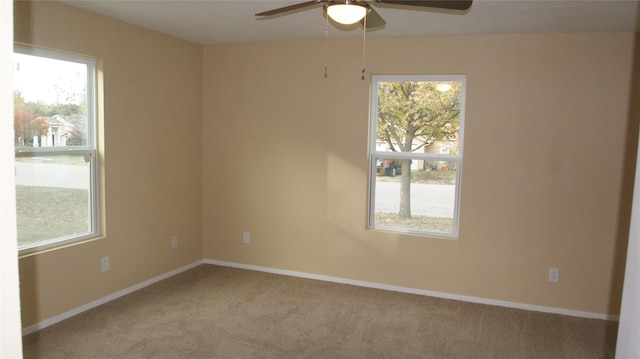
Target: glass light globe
{"points": [[346, 13]]}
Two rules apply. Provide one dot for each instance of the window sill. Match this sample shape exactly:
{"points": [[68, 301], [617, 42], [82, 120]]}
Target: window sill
{"points": [[30, 252]]}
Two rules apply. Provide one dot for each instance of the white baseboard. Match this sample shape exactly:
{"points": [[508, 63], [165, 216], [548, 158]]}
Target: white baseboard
{"points": [[464, 298], [58, 318], [95, 303]]}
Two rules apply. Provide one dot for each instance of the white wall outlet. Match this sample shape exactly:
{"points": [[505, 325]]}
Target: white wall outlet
{"points": [[174, 241], [104, 262], [246, 237], [554, 275]]}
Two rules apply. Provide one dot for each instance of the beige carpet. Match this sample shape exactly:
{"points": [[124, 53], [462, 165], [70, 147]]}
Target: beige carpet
{"points": [[217, 312]]}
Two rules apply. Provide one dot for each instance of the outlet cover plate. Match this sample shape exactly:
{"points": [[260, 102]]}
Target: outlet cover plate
{"points": [[104, 262]]}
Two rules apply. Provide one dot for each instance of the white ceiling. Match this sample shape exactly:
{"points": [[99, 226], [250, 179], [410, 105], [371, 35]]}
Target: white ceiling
{"points": [[231, 21]]}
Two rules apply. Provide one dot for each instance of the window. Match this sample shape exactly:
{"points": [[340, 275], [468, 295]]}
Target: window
{"points": [[55, 148], [416, 153]]}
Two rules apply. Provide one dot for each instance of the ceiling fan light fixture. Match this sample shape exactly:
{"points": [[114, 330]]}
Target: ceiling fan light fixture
{"points": [[346, 13]]}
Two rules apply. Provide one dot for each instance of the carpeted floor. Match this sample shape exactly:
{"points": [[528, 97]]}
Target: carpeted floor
{"points": [[218, 312]]}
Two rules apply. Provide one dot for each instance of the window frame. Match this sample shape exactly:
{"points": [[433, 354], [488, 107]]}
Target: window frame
{"points": [[375, 155], [89, 151]]}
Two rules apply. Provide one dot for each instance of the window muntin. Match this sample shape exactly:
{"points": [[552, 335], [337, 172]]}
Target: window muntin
{"points": [[416, 153], [55, 144]]}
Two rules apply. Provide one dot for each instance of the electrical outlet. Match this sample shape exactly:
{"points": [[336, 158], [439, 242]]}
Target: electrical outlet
{"points": [[174, 241], [554, 275], [246, 237], [105, 264]]}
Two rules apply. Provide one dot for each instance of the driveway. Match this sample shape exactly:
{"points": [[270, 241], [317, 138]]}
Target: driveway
{"points": [[432, 200], [52, 175]]}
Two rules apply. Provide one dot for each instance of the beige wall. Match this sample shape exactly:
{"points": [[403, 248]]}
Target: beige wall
{"points": [[543, 182], [152, 159]]}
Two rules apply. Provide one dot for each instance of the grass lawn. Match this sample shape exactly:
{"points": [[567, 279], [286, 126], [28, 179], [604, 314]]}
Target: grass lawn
{"points": [[50, 212]]}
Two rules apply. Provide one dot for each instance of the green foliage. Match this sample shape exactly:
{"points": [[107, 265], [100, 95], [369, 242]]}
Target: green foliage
{"points": [[48, 110]]}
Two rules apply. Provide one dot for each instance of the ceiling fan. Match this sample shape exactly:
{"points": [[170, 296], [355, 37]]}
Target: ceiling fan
{"points": [[351, 11]]}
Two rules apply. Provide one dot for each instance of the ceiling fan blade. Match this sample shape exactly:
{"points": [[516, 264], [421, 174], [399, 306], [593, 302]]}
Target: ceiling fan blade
{"points": [[373, 19], [289, 8], [439, 4]]}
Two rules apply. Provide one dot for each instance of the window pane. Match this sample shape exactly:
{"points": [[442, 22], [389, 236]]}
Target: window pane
{"points": [[50, 102], [427, 202], [419, 116], [53, 198]]}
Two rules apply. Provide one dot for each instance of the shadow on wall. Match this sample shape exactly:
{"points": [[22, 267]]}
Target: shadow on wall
{"points": [[29, 299], [346, 216]]}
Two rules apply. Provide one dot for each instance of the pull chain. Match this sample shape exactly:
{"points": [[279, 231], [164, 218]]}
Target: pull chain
{"points": [[326, 47], [364, 43]]}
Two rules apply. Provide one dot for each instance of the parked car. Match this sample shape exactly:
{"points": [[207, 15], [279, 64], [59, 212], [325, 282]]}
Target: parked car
{"points": [[389, 167]]}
